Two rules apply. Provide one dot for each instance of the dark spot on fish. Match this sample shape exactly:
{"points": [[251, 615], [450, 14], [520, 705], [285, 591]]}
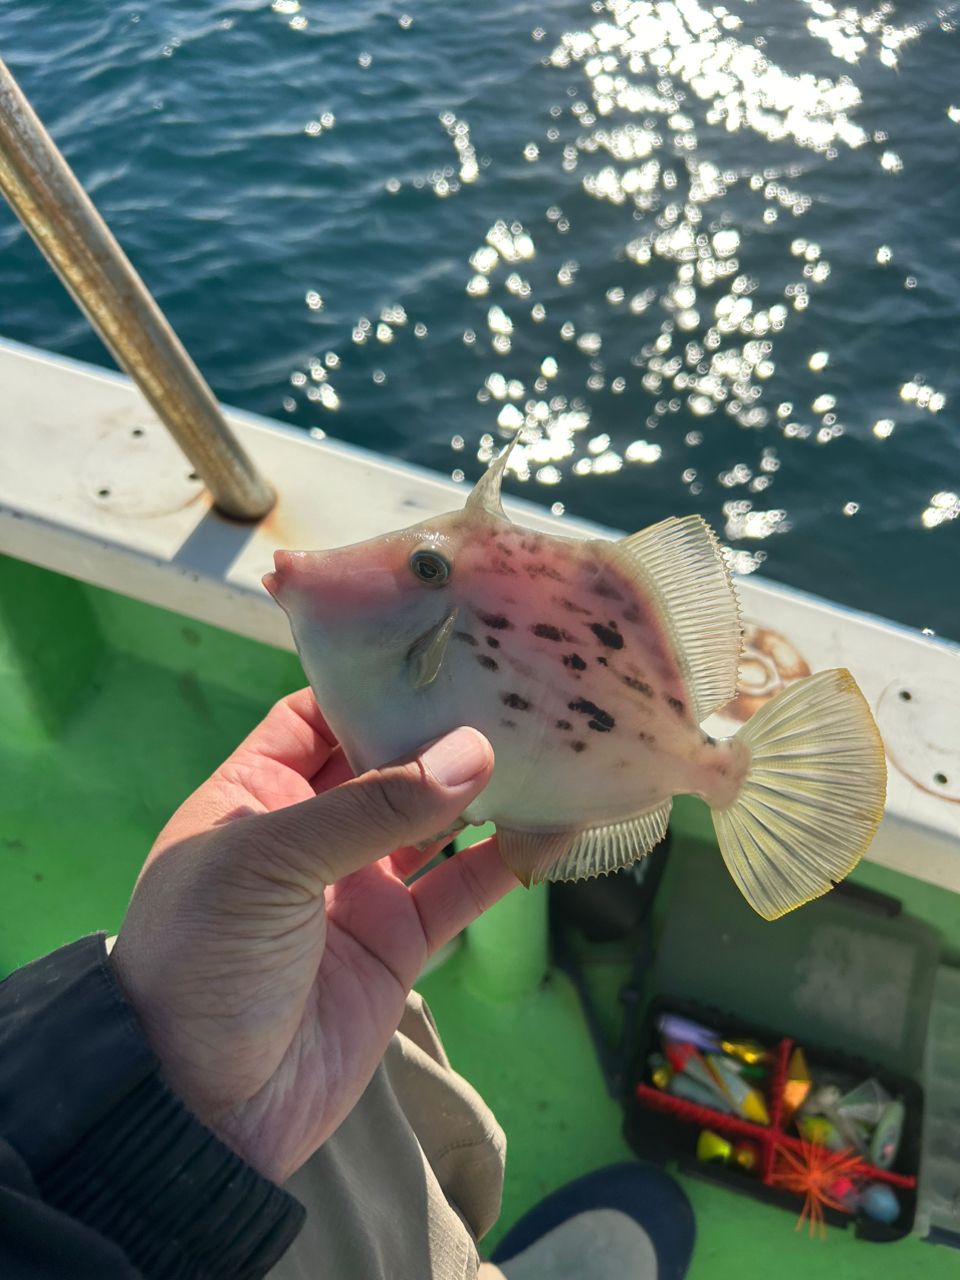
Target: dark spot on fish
{"points": [[487, 662], [564, 724], [504, 550], [607, 635], [602, 720], [515, 701], [548, 632], [603, 662], [493, 642], [465, 636], [578, 746], [631, 615], [509, 724], [722, 770], [622, 764], [711, 742], [606, 590], [640, 686], [496, 621], [572, 607], [646, 737], [675, 704], [574, 660], [598, 727], [543, 571], [501, 566]]}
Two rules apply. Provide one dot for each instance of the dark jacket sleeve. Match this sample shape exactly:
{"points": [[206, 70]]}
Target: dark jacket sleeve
{"points": [[103, 1171]]}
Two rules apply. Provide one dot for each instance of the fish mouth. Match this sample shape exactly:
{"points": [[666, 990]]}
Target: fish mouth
{"points": [[283, 564]]}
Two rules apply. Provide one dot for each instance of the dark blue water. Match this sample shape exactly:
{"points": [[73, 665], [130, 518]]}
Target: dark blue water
{"points": [[727, 263]]}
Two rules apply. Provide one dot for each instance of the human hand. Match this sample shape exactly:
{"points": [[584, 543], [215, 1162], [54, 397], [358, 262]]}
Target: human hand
{"points": [[272, 940]]}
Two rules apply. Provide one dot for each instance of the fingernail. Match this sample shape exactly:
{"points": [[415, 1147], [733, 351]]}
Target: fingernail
{"points": [[457, 758]]}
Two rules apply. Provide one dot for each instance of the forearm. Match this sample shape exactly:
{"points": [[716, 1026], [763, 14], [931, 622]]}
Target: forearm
{"points": [[99, 1159]]}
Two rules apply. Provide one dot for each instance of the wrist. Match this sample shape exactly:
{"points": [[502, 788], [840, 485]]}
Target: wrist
{"points": [[83, 1103], [224, 1122]]}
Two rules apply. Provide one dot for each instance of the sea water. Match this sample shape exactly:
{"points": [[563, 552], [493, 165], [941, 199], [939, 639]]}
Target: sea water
{"points": [[706, 258]]}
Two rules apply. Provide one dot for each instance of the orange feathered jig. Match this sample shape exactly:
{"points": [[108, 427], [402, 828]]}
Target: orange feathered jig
{"points": [[814, 1174]]}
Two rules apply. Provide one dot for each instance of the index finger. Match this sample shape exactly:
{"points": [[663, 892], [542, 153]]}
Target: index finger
{"points": [[460, 889], [294, 734]]}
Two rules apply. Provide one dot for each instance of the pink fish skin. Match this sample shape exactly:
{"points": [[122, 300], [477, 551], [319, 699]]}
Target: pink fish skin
{"points": [[555, 657], [567, 656]]}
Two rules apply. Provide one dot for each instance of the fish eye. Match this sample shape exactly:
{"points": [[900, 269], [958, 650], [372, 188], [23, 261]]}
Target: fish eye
{"points": [[430, 567]]}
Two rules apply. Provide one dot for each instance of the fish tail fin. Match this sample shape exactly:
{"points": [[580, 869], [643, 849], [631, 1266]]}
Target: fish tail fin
{"points": [[812, 799]]}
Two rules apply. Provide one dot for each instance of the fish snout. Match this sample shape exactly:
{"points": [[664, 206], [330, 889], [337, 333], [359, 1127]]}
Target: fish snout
{"points": [[284, 568], [349, 580]]}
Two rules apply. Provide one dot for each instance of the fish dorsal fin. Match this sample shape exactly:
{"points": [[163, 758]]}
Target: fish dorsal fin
{"points": [[485, 494], [680, 564], [534, 856], [425, 655], [612, 846]]}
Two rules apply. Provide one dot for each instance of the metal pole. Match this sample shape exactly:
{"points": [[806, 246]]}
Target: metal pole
{"points": [[57, 212]]}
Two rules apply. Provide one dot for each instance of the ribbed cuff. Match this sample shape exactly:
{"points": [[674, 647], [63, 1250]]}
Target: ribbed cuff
{"points": [[82, 1101]]}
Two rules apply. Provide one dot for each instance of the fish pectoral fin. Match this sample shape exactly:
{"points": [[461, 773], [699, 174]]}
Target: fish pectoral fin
{"points": [[530, 854], [426, 654], [600, 850], [680, 563]]}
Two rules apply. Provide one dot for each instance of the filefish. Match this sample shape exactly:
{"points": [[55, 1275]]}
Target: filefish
{"points": [[590, 666]]}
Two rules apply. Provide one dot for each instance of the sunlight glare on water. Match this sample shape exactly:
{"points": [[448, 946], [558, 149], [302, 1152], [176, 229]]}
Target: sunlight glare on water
{"points": [[653, 75], [703, 257]]}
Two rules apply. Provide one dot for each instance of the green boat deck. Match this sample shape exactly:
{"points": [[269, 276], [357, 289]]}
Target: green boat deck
{"points": [[112, 711]]}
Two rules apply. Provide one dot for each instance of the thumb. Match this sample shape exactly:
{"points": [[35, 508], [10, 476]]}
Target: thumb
{"points": [[324, 839]]}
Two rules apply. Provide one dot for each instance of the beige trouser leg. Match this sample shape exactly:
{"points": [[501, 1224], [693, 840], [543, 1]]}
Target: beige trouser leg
{"points": [[411, 1179]]}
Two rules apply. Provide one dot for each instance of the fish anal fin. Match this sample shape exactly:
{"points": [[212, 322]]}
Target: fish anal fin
{"points": [[426, 654], [680, 564], [600, 850], [530, 854]]}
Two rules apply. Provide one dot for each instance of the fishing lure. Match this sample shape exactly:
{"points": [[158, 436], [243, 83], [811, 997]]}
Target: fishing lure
{"points": [[589, 665]]}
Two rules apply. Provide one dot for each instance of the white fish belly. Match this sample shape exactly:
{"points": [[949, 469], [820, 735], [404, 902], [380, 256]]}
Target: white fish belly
{"points": [[568, 756]]}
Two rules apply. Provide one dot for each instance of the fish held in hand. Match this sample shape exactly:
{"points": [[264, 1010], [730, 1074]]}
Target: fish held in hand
{"points": [[589, 665]]}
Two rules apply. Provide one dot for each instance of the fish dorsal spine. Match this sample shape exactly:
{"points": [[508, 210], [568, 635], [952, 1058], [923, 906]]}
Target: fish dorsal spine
{"points": [[485, 494]]}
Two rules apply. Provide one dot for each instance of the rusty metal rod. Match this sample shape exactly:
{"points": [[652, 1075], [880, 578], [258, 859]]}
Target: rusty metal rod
{"points": [[60, 216]]}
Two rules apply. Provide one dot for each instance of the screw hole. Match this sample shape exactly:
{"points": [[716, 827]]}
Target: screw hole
{"points": [[906, 695], [103, 493], [940, 779], [137, 431]]}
